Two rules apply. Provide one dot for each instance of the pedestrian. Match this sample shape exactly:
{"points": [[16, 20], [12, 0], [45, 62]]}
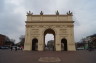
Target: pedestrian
{"points": [[21, 47], [11, 48], [16, 48]]}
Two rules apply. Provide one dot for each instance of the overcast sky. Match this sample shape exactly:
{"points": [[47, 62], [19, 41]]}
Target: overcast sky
{"points": [[13, 15]]}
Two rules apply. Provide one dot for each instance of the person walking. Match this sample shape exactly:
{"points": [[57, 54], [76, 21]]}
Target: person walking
{"points": [[16, 48], [11, 47]]}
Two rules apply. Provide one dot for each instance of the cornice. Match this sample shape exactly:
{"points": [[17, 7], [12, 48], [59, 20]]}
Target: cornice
{"points": [[49, 21]]}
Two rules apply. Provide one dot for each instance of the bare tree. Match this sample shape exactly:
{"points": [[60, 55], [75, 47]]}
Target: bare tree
{"points": [[22, 40]]}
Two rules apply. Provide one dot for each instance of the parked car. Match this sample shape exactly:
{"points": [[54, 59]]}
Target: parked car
{"points": [[80, 48], [4, 47], [18, 48]]}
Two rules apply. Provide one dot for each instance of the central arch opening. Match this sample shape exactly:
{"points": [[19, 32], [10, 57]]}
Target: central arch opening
{"points": [[49, 40]]}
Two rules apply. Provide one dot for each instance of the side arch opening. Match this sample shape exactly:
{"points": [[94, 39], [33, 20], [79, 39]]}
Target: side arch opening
{"points": [[64, 44], [34, 44]]}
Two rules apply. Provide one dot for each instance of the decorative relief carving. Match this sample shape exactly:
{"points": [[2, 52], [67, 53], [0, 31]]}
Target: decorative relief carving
{"points": [[45, 26], [61, 26], [64, 36], [41, 26], [63, 31], [34, 36], [57, 25], [48, 26], [36, 26], [69, 13], [34, 31], [32, 26], [41, 13], [70, 26], [27, 26], [29, 13], [57, 13], [65, 26]]}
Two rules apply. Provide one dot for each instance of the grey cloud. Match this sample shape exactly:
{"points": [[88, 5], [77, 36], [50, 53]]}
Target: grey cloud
{"points": [[2, 5], [12, 23], [37, 5]]}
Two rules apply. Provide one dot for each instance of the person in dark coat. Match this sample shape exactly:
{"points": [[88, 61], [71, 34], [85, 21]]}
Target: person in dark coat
{"points": [[11, 48], [15, 48]]}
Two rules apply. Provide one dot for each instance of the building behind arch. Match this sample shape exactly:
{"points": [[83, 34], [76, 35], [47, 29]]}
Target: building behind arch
{"points": [[60, 25]]}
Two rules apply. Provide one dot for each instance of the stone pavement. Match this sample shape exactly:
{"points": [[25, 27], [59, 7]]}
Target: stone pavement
{"points": [[7, 56]]}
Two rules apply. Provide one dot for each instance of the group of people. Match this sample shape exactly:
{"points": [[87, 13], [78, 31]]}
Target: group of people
{"points": [[12, 48], [16, 48]]}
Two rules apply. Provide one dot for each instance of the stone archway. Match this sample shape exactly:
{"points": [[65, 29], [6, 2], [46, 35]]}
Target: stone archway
{"points": [[64, 44], [34, 44], [60, 25], [52, 44]]}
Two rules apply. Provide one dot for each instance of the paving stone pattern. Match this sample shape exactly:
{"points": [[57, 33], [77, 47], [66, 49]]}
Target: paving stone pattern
{"points": [[7, 56]]}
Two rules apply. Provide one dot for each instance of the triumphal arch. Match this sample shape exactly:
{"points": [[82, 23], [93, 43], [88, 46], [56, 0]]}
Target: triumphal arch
{"points": [[60, 25]]}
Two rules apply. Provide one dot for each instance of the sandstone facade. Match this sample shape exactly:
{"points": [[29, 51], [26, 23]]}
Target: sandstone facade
{"points": [[61, 26]]}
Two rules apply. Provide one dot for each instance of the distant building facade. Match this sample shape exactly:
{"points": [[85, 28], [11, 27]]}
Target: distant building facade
{"points": [[2, 39], [50, 45], [61, 26]]}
